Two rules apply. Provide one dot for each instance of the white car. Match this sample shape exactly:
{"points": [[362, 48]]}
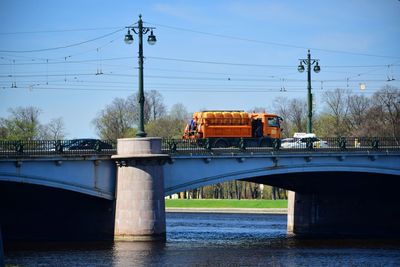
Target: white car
{"points": [[300, 141]]}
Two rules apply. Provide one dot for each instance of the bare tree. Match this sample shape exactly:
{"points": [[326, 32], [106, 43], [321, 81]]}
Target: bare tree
{"points": [[281, 107], [387, 103], [154, 107], [178, 111], [54, 130], [4, 131], [23, 123], [115, 121], [166, 127], [171, 126], [119, 119], [155, 104], [359, 106], [297, 114], [337, 107], [293, 113]]}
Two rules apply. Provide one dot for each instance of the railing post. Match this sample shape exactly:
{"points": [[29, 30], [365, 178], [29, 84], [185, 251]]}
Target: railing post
{"points": [[342, 143], [242, 145], [375, 144]]}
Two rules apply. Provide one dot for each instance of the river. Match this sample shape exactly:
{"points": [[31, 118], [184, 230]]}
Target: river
{"points": [[212, 239]]}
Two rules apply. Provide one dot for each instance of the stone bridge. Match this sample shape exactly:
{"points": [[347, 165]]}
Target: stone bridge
{"points": [[335, 189]]}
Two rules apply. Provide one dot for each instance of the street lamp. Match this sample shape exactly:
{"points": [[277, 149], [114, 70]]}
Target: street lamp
{"points": [[140, 30], [309, 62]]}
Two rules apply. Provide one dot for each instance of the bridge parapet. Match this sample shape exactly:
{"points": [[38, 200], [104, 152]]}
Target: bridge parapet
{"points": [[40, 148], [83, 147], [310, 145]]}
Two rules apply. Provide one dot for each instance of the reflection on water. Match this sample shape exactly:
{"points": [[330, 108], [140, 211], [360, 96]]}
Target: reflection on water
{"points": [[200, 239]]}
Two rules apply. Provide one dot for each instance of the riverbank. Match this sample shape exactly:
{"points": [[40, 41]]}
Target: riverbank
{"points": [[260, 206], [230, 210]]}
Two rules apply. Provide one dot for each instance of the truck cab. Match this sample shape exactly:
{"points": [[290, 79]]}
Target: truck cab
{"points": [[270, 124]]}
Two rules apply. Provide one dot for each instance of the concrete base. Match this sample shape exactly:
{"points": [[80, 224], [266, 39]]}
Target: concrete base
{"points": [[141, 238], [1, 250], [140, 205]]}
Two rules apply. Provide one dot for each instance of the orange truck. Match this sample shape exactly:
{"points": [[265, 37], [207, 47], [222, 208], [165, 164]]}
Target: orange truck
{"points": [[230, 128]]}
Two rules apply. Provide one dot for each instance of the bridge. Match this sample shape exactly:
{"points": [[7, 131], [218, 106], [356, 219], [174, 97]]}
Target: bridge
{"points": [[330, 187]]}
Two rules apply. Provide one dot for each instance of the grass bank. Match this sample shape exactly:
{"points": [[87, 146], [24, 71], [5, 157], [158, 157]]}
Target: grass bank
{"points": [[225, 203]]}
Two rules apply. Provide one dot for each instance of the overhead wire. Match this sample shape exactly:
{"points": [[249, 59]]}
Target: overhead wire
{"points": [[59, 30], [219, 63], [231, 77], [190, 90], [203, 62], [186, 30], [270, 42], [62, 47], [228, 79]]}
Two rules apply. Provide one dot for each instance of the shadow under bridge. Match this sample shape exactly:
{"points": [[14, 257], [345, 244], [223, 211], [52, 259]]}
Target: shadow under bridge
{"points": [[300, 172]]}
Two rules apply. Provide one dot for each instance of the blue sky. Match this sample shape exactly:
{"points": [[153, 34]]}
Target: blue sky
{"points": [[209, 54]]}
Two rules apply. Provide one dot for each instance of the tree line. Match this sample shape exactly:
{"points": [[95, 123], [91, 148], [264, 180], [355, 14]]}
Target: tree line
{"points": [[340, 113], [120, 117], [23, 123], [235, 190], [344, 113]]}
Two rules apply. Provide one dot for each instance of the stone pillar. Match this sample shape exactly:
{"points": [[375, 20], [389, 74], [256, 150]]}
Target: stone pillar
{"points": [[1, 249], [301, 213], [349, 214], [140, 205], [290, 212]]}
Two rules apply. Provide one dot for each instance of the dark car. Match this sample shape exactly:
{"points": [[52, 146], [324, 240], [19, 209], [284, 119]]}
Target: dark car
{"points": [[87, 144]]}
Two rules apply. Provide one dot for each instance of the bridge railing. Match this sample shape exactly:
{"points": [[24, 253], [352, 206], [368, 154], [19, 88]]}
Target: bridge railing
{"points": [[54, 147], [329, 144], [200, 146]]}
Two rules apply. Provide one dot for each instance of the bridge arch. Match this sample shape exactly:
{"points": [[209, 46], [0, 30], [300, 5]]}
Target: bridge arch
{"points": [[269, 170], [94, 176], [53, 183]]}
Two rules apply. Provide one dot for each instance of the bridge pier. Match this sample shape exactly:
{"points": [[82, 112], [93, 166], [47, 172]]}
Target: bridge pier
{"points": [[140, 205], [357, 214]]}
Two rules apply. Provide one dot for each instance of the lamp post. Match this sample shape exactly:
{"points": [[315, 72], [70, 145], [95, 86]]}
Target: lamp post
{"points": [[140, 30], [309, 62]]}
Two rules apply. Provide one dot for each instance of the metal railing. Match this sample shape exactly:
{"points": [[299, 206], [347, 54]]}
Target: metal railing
{"points": [[330, 144], [23, 148], [200, 146]]}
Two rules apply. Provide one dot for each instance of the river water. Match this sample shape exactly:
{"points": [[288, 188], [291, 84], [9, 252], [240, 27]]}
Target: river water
{"points": [[212, 239]]}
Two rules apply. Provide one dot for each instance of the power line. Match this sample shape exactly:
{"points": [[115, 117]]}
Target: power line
{"points": [[176, 86], [219, 63], [195, 61], [263, 65], [208, 91], [55, 61], [229, 79], [272, 43], [61, 47], [61, 30]]}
